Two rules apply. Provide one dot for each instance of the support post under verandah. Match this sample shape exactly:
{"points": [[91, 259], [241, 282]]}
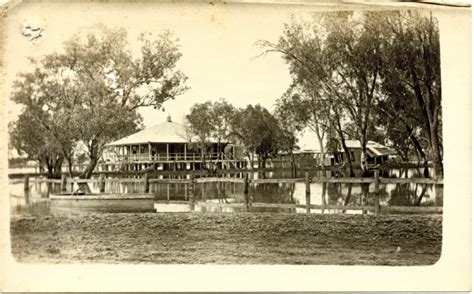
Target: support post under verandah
{"points": [[149, 151], [185, 157]]}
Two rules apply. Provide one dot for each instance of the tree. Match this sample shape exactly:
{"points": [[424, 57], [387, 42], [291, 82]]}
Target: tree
{"points": [[303, 47], [404, 132], [44, 130], [353, 51], [412, 78], [98, 84], [258, 131], [356, 60], [210, 123], [315, 112], [223, 115], [292, 114], [28, 135]]}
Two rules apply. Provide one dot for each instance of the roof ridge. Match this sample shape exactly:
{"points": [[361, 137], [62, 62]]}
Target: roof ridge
{"points": [[162, 123]]}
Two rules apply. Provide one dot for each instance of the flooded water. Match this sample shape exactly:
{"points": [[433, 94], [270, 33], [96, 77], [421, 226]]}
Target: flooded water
{"points": [[223, 197]]}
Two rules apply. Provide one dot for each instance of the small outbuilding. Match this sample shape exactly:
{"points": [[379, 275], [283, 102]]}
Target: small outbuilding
{"points": [[377, 153]]}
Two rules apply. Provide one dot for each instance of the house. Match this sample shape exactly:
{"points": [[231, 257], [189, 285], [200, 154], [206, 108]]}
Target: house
{"points": [[377, 153], [306, 158], [167, 146]]}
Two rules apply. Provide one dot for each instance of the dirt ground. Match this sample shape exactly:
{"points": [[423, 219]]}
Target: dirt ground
{"points": [[228, 238]]}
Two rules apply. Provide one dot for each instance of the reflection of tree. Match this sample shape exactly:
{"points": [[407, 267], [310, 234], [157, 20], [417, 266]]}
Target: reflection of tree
{"points": [[324, 192], [334, 192], [348, 195], [408, 195], [343, 194], [273, 193], [221, 192]]}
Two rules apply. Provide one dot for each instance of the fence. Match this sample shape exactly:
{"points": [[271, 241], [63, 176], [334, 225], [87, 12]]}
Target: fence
{"points": [[307, 180], [244, 167]]}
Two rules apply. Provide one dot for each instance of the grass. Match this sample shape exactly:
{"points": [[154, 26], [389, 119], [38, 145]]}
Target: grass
{"points": [[228, 238]]}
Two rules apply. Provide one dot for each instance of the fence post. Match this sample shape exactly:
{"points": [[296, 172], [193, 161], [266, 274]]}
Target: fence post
{"points": [[308, 193], [324, 188], [63, 183], [377, 195], [26, 182], [147, 183], [101, 183], [192, 200]]}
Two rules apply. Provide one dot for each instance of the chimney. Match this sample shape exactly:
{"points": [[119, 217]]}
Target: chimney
{"points": [[169, 118]]}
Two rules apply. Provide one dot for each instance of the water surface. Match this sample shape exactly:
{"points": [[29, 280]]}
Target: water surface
{"points": [[224, 197]]}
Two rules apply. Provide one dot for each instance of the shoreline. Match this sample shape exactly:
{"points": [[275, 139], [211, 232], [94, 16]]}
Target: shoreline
{"points": [[228, 238]]}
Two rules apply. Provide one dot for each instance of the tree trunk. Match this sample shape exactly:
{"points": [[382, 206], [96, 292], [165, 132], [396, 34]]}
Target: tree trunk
{"points": [[58, 164], [420, 198], [87, 174], [69, 167], [321, 147], [49, 167], [293, 165], [263, 162], [40, 164], [344, 147], [436, 154], [53, 166], [364, 157], [348, 156], [430, 122], [419, 151]]}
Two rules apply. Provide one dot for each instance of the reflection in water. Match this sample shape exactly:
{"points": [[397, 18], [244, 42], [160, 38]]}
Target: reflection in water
{"points": [[102, 206], [224, 197]]}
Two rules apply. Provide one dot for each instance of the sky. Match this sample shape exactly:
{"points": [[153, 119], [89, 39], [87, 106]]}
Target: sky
{"points": [[217, 42]]}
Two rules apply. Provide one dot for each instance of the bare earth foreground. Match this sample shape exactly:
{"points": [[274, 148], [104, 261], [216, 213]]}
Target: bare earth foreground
{"points": [[242, 238]]}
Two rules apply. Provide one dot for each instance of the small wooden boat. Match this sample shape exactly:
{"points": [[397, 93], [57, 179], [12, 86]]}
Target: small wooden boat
{"points": [[101, 196]]}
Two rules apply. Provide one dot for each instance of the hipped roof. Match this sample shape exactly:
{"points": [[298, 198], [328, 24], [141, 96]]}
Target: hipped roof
{"points": [[167, 132]]}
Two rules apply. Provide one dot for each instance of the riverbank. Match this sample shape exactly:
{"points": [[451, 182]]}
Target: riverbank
{"points": [[228, 238]]}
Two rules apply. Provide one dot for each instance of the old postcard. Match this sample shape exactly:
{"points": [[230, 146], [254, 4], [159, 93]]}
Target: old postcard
{"points": [[235, 146]]}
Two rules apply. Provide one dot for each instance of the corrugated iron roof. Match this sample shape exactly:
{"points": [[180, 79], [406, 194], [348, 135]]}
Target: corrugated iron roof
{"points": [[167, 132], [374, 148], [353, 144]]}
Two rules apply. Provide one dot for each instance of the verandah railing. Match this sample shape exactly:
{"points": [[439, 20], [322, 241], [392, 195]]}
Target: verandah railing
{"points": [[160, 157]]}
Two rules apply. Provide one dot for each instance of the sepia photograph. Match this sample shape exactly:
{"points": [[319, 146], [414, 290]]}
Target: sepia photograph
{"points": [[226, 133]]}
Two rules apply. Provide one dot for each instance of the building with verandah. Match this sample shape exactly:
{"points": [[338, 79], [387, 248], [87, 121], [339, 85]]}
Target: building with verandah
{"points": [[168, 146], [377, 153]]}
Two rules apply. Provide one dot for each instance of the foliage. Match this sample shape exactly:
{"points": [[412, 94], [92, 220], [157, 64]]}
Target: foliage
{"points": [[89, 94], [210, 122], [255, 128], [362, 64], [292, 114], [28, 135], [412, 81], [313, 111]]}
